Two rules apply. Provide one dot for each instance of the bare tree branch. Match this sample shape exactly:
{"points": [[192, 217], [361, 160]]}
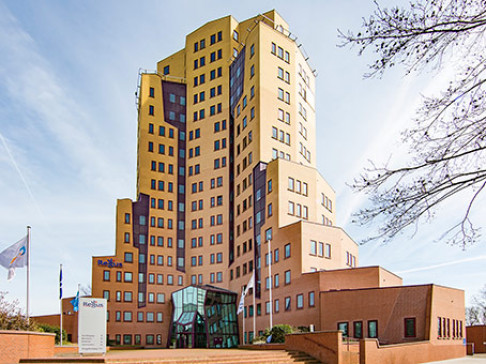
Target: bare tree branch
{"points": [[447, 138]]}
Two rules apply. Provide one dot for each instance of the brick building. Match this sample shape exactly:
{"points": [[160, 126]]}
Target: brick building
{"points": [[227, 187]]}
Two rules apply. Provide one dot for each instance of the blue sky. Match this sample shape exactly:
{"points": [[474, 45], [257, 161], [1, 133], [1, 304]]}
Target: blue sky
{"points": [[68, 74]]}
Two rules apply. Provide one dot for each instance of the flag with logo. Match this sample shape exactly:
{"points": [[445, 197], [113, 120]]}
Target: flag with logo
{"points": [[75, 302], [251, 284], [15, 256]]}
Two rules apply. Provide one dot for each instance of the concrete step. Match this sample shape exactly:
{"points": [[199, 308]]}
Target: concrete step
{"points": [[238, 357]]}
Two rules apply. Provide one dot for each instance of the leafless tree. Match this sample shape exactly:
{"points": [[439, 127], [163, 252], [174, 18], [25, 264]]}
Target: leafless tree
{"points": [[85, 290], [447, 138], [11, 317], [476, 313]]}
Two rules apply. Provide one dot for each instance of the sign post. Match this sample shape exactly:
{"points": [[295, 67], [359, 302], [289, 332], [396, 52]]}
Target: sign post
{"points": [[92, 325]]}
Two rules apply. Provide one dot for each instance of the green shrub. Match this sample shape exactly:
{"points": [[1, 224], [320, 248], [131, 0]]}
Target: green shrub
{"points": [[259, 339], [54, 330], [278, 333]]}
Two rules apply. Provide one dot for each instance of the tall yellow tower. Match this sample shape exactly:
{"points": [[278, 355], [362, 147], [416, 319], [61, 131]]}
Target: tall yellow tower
{"points": [[227, 188]]}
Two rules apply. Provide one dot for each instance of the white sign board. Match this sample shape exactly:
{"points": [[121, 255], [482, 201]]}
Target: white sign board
{"points": [[92, 325]]}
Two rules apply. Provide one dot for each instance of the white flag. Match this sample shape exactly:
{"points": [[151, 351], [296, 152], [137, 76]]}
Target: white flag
{"points": [[250, 284], [241, 305], [15, 256]]}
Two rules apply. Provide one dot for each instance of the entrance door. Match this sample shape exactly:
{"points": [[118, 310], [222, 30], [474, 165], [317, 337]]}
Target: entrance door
{"points": [[185, 341]]}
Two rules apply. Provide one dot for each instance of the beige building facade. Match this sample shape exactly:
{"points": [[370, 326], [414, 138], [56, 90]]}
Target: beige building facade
{"points": [[227, 187]]}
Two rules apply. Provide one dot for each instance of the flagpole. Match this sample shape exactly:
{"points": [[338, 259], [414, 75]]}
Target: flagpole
{"points": [[254, 305], [243, 292], [271, 281], [28, 275], [60, 299]]}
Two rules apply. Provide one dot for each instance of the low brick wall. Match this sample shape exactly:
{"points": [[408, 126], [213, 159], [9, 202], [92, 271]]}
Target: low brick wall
{"points": [[408, 353], [477, 335], [326, 346], [65, 350], [25, 344]]}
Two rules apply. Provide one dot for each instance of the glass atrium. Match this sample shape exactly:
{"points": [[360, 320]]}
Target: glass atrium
{"points": [[204, 317]]}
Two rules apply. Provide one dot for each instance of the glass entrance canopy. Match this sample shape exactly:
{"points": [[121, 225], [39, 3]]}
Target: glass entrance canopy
{"points": [[204, 317]]}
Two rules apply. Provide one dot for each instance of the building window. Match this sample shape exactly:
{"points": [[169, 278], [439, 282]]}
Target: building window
{"points": [[300, 301], [313, 247], [268, 234], [149, 339], [291, 208], [160, 298], [287, 250], [106, 275], [312, 299], [373, 328], [291, 184], [287, 57], [128, 257], [287, 303], [358, 329], [287, 277], [344, 328], [327, 251], [127, 317], [410, 327]]}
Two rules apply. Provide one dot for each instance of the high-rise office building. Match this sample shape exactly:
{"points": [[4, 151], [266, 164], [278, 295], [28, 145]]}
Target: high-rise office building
{"points": [[227, 187]]}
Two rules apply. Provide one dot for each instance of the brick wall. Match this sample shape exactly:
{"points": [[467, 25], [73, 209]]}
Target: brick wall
{"points": [[477, 335], [408, 353], [24, 344], [326, 346]]}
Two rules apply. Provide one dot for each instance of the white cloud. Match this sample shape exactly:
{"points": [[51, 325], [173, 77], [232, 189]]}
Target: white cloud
{"points": [[442, 265]]}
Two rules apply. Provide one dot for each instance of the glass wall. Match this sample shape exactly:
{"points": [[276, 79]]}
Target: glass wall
{"points": [[204, 317]]}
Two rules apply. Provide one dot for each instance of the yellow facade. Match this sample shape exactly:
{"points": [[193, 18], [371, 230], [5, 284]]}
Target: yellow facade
{"points": [[226, 154]]}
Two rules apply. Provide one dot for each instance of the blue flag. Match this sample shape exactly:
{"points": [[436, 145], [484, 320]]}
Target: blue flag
{"points": [[60, 282], [75, 302]]}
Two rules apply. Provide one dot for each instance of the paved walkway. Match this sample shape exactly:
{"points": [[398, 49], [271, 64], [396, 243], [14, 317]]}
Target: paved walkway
{"points": [[475, 359]]}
